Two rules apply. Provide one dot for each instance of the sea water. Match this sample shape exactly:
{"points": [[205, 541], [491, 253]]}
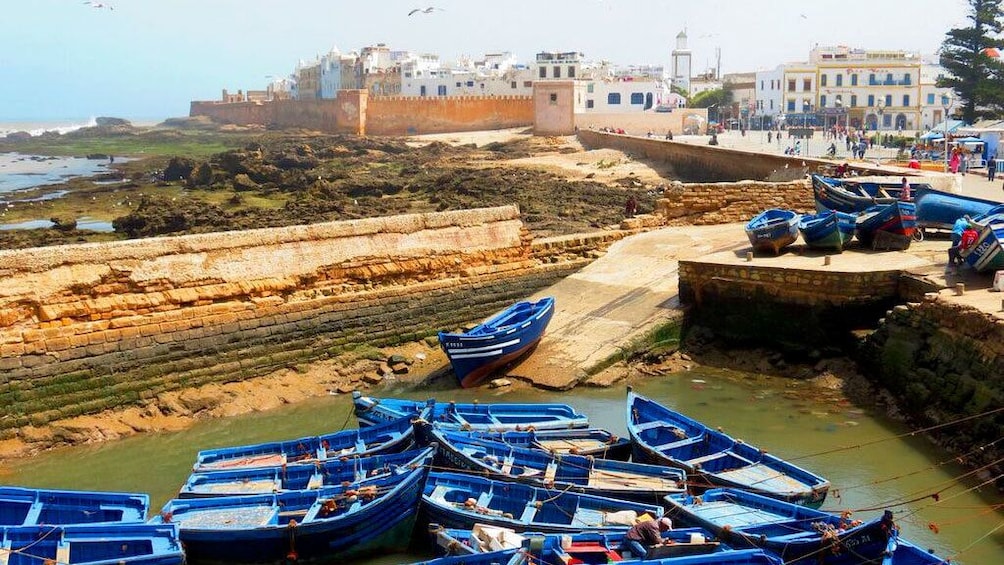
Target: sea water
{"points": [[873, 463]]}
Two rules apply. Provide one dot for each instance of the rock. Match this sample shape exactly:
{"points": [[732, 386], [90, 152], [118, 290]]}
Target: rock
{"points": [[63, 224], [106, 121], [400, 369], [97, 156], [344, 388], [499, 383], [243, 183], [395, 359], [372, 379], [201, 175], [178, 168], [384, 370], [18, 136]]}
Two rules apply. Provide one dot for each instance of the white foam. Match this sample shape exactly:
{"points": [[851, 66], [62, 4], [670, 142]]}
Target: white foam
{"points": [[38, 128]]}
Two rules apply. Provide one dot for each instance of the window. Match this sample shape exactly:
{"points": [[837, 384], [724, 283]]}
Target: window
{"points": [[886, 120], [614, 98], [589, 88], [557, 71], [854, 100], [944, 100], [888, 78], [791, 104], [871, 100], [542, 72], [871, 79], [637, 98], [906, 78], [791, 85], [822, 80], [589, 103], [512, 84], [806, 84], [822, 101], [772, 104], [761, 85], [459, 84], [527, 84], [854, 79], [906, 100], [553, 98], [571, 72], [421, 90], [840, 80], [930, 98], [888, 99], [440, 90], [470, 84]]}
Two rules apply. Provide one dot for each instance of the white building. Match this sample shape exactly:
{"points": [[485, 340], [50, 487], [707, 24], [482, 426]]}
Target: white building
{"points": [[768, 94], [498, 74], [612, 96], [681, 63]]}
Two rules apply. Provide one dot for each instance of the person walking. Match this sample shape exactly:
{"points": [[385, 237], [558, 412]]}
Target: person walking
{"points": [[991, 168]]}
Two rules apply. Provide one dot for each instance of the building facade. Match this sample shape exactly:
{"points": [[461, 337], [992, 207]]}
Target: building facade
{"points": [[681, 64]]}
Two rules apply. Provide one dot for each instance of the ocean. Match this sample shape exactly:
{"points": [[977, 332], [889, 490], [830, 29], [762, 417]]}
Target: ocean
{"points": [[66, 125]]}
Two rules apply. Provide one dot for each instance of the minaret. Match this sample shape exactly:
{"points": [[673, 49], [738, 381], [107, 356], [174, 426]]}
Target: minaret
{"points": [[681, 63]]}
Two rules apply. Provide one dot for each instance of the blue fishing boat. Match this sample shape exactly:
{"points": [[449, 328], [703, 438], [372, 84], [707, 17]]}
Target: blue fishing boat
{"points": [[593, 442], [285, 478], [987, 255], [772, 229], [389, 436], [457, 500], [92, 544], [827, 230], [498, 341], [897, 218], [682, 547], [797, 534], [939, 209], [29, 507], [665, 437], [470, 416], [331, 523], [565, 473], [853, 196]]}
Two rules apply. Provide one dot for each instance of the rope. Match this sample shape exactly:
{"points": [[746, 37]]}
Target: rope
{"points": [[978, 540]]}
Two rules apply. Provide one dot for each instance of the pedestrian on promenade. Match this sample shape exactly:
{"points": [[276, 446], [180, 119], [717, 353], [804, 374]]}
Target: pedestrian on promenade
{"points": [[770, 136], [991, 168]]}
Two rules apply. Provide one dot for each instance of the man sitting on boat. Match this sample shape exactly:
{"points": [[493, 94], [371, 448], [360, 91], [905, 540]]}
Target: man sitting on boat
{"points": [[968, 239], [645, 534]]}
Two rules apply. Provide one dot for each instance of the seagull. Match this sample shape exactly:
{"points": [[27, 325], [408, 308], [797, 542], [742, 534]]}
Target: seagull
{"points": [[99, 5], [803, 16], [428, 10]]}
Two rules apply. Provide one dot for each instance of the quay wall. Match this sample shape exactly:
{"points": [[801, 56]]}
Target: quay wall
{"points": [[729, 202], [88, 327]]}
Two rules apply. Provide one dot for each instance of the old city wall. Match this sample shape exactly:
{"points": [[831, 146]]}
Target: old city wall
{"points": [[93, 326], [729, 202], [354, 112]]}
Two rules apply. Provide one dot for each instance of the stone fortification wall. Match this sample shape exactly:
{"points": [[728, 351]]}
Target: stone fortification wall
{"points": [[798, 310], [727, 202], [944, 362], [89, 327], [354, 112]]}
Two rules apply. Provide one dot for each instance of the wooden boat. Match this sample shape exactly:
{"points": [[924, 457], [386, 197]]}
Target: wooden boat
{"points": [[333, 523], [853, 196], [390, 436], [456, 500], [593, 442], [827, 230], [797, 534], [92, 544], [565, 473], [682, 547], [772, 229], [498, 341], [285, 478], [473, 416], [897, 218], [29, 507], [665, 437], [939, 209], [987, 256]]}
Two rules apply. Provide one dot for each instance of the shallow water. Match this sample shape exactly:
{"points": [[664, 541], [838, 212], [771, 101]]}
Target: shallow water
{"points": [[789, 418], [21, 172]]}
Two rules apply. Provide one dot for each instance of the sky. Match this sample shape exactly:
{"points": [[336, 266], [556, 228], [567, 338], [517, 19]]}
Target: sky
{"points": [[146, 59]]}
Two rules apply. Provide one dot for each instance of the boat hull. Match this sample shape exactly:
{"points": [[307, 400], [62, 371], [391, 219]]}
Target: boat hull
{"points": [[470, 416], [135, 544], [772, 230], [939, 209], [827, 230], [897, 218], [987, 256]]}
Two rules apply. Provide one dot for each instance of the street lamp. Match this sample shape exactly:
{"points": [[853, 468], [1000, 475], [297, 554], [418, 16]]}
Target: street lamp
{"points": [[806, 108], [946, 102]]}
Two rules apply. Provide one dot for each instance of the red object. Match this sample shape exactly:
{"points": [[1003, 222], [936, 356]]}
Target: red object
{"points": [[969, 237], [586, 547]]}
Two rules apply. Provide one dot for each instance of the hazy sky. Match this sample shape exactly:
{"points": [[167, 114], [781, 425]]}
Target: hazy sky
{"points": [[63, 59]]}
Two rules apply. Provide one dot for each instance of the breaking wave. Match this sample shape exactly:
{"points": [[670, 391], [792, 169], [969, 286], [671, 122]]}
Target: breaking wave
{"points": [[38, 128]]}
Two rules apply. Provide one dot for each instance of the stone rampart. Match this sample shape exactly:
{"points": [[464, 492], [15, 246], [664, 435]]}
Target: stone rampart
{"points": [[728, 202], [93, 326]]}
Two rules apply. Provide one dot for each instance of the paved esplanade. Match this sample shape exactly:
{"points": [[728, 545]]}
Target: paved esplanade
{"points": [[634, 287]]}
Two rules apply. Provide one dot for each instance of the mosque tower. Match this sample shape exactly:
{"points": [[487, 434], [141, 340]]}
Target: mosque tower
{"points": [[681, 63]]}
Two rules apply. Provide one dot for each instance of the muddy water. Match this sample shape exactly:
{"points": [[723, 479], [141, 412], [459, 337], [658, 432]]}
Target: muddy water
{"points": [[792, 419]]}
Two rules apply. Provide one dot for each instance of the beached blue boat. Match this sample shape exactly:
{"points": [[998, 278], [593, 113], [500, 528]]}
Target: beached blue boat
{"points": [[498, 341], [470, 416], [457, 500], [827, 230], [853, 196], [593, 442], [772, 229], [29, 507], [688, 546], [939, 209], [331, 523], [390, 436], [897, 218], [987, 256], [797, 534], [92, 544], [665, 437], [285, 478], [565, 473]]}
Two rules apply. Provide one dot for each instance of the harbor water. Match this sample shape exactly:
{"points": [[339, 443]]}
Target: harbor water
{"points": [[873, 463]]}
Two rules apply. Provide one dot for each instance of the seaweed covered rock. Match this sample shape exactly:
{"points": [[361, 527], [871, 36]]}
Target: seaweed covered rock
{"points": [[178, 168]]}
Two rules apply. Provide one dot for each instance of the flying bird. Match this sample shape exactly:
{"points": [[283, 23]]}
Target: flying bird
{"points": [[803, 16], [428, 10], [99, 5]]}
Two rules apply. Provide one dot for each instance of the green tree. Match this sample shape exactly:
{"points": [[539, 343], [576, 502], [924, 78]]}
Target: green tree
{"points": [[978, 80]]}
